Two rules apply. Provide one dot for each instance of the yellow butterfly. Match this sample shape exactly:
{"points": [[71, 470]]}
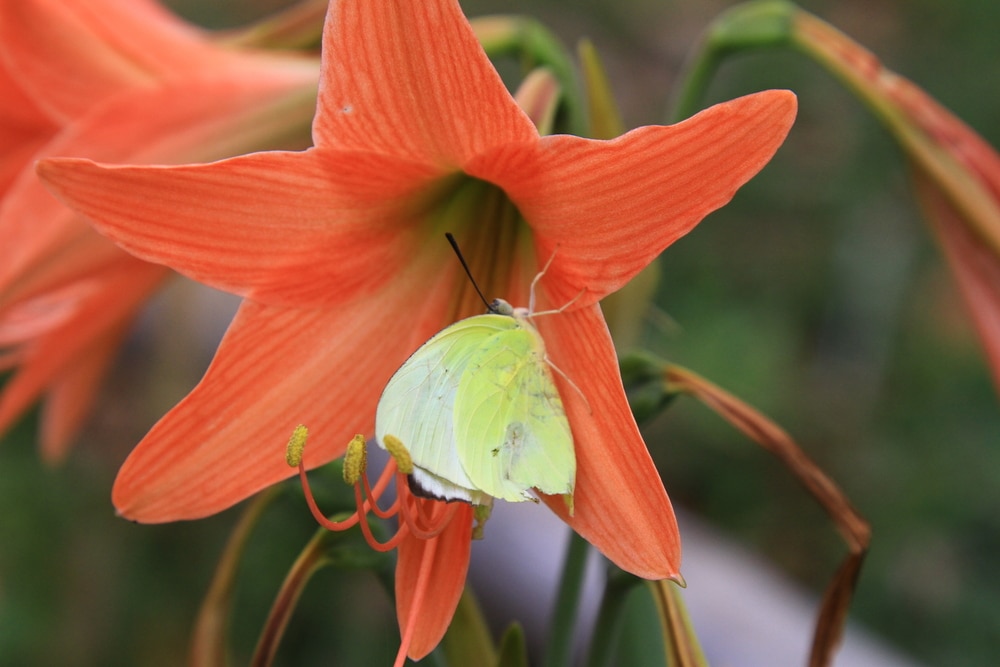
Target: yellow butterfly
{"points": [[478, 409]]}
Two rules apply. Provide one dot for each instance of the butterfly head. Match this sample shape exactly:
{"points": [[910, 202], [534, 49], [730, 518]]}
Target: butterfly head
{"points": [[501, 307]]}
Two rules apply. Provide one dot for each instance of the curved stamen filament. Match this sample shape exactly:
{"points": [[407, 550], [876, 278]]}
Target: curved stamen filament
{"points": [[366, 530], [363, 508], [383, 481], [413, 518], [420, 524]]}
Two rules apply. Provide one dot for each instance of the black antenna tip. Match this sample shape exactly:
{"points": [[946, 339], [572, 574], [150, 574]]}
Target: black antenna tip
{"points": [[461, 258]]}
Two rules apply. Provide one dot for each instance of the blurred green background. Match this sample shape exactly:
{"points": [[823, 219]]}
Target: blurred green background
{"points": [[817, 296]]}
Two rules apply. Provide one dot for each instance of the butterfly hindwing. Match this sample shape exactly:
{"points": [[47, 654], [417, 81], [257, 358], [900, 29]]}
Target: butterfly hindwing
{"points": [[509, 421], [478, 409]]}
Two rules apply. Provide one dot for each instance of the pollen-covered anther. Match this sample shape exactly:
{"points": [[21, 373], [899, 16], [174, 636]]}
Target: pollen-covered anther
{"points": [[399, 452], [355, 460], [296, 443]]}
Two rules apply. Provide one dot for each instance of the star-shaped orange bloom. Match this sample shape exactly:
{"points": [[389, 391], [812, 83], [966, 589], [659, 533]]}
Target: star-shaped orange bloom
{"points": [[116, 80], [338, 252]]}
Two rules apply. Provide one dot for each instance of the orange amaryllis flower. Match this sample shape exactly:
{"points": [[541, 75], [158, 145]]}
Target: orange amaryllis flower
{"points": [[23, 127], [957, 173], [339, 254], [118, 80]]}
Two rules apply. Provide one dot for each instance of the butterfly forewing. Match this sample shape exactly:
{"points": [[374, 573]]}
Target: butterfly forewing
{"points": [[417, 404]]}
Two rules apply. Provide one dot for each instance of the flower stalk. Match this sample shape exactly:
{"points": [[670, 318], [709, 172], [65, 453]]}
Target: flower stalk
{"points": [[853, 528], [208, 639], [956, 173]]}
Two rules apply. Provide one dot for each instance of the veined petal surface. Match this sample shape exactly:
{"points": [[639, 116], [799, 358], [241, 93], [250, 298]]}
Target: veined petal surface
{"points": [[300, 229], [198, 119], [430, 577], [275, 368], [620, 505], [608, 208], [410, 79]]}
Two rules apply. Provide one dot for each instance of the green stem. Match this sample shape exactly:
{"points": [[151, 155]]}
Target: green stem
{"points": [[680, 642], [558, 653], [694, 80], [608, 625], [208, 639], [311, 560], [746, 27], [533, 45]]}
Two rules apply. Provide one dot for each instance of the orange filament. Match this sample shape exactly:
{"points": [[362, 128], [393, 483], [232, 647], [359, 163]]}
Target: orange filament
{"points": [[419, 524], [387, 473], [417, 517], [349, 522], [366, 530], [413, 519]]}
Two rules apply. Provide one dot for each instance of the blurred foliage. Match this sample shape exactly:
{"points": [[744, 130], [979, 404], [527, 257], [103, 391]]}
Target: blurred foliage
{"points": [[818, 296]]}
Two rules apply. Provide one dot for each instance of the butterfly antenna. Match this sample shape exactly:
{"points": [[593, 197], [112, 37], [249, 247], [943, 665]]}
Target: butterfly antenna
{"points": [[458, 252]]}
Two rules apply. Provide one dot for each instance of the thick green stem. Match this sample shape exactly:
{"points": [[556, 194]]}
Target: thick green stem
{"points": [[560, 646], [208, 639], [607, 628], [533, 45], [311, 560], [745, 27]]}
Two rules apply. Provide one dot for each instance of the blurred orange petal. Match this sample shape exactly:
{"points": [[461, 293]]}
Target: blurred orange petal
{"points": [[957, 173], [113, 80]]}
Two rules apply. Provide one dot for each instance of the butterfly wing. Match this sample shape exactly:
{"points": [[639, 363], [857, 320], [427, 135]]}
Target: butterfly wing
{"points": [[417, 406], [510, 424]]}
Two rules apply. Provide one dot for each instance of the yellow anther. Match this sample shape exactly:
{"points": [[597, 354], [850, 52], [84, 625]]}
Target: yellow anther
{"points": [[355, 460], [293, 452], [481, 513], [398, 451]]}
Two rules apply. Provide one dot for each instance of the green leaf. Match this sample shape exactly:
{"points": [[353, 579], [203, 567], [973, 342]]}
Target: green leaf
{"points": [[513, 650], [468, 640]]}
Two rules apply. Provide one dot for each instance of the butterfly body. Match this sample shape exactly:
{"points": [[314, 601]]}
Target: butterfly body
{"points": [[478, 409]]}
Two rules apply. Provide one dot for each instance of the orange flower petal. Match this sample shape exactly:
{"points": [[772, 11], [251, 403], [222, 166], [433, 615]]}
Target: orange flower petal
{"points": [[275, 368], [204, 118], [24, 129], [620, 505], [309, 228], [103, 304], [976, 267], [430, 576], [610, 207], [72, 393], [18, 109], [73, 55], [410, 79]]}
